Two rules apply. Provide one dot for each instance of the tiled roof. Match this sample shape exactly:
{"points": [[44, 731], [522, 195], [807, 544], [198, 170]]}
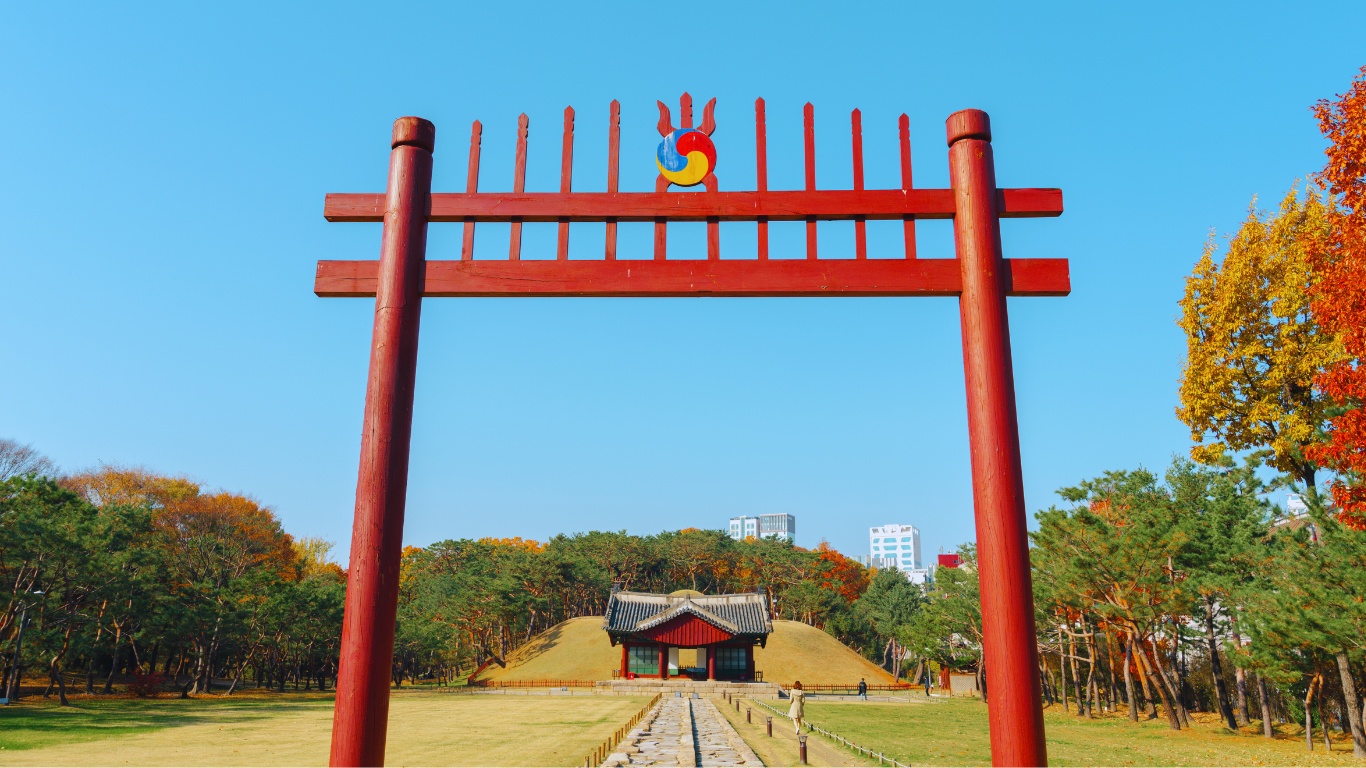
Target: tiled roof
{"points": [[743, 614]]}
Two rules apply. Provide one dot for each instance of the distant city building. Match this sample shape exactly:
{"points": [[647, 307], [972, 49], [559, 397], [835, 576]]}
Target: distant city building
{"points": [[899, 544], [776, 526], [914, 575], [950, 561], [742, 528], [876, 562], [1295, 506]]}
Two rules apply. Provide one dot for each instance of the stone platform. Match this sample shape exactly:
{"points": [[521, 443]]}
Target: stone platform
{"points": [[717, 688]]}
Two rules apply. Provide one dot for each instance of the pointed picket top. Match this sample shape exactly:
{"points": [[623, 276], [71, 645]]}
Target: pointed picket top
{"points": [[708, 125]]}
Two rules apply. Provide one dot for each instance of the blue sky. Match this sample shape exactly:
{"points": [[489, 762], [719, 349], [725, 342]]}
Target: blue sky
{"points": [[161, 215]]}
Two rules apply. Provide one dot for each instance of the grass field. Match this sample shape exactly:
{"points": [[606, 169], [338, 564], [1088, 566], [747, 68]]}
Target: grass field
{"points": [[432, 728], [954, 732], [578, 649], [424, 729]]}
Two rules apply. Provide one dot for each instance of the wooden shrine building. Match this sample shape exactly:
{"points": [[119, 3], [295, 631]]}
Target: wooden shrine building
{"points": [[687, 634]]}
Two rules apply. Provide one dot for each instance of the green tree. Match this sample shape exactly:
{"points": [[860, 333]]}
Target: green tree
{"points": [[1224, 523]]}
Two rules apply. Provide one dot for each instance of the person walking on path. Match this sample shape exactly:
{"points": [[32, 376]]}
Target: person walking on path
{"points": [[863, 689], [798, 707]]}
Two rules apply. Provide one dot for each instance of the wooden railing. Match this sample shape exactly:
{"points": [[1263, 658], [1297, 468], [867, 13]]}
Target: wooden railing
{"points": [[853, 687], [540, 683], [600, 752], [882, 759]]}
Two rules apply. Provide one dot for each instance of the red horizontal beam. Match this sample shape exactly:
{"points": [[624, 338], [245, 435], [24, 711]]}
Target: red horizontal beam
{"points": [[797, 205], [775, 277]]}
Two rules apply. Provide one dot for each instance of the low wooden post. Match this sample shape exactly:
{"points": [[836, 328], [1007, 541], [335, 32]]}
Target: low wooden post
{"points": [[361, 714], [768, 724], [801, 748], [748, 711], [1009, 645]]}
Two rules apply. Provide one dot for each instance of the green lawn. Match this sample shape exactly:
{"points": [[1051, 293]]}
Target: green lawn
{"points": [[954, 732], [425, 728]]}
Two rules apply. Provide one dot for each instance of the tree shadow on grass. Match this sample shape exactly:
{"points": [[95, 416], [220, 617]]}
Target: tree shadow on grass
{"points": [[42, 724]]}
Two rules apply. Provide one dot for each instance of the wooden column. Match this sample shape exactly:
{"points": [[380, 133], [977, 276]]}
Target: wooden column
{"points": [[711, 662], [361, 715], [663, 662], [625, 659], [1015, 708], [749, 662]]}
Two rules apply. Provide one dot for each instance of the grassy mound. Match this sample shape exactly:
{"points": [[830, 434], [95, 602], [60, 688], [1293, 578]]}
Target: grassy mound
{"points": [[797, 651], [578, 649]]}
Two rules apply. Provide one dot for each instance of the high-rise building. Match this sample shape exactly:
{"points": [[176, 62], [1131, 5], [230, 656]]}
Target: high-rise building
{"points": [[899, 547], [776, 526]]}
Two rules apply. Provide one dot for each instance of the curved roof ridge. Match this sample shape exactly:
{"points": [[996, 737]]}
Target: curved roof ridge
{"points": [[687, 606]]}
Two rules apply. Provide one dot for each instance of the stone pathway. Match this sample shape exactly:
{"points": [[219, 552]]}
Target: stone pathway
{"points": [[684, 732], [717, 741]]}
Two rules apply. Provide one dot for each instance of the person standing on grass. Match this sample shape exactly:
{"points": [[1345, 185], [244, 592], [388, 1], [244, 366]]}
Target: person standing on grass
{"points": [[798, 707], [863, 689]]}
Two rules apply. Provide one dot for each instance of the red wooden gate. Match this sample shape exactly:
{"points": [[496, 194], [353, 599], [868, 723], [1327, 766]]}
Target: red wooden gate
{"points": [[978, 275]]}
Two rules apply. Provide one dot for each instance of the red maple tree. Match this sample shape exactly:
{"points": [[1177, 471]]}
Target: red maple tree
{"points": [[1339, 303]]}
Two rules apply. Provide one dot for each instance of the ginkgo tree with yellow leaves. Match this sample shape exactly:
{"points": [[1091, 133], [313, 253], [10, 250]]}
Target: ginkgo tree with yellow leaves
{"points": [[1252, 346]]}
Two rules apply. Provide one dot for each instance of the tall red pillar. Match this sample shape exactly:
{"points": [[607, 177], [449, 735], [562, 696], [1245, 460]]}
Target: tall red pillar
{"points": [[1015, 708], [361, 716]]}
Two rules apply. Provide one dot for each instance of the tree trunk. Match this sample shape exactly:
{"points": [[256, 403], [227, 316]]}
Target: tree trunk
{"points": [[1349, 693], [54, 672], [1170, 681], [982, 676], [1216, 668], [1091, 684], [1264, 701], [1112, 693], [1076, 676], [1062, 673], [1240, 677], [1129, 680], [1323, 726], [1308, 712], [1147, 666], [113, 666]]}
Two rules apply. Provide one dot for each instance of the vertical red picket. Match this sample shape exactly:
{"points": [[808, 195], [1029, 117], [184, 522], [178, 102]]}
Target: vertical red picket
{"points": [[1014, 707], [860, 223], [661, 225], [566, 183], [907, 181], [809, 141], [710, 183], [519, 186], [613, 172], [361, 714], [471, 186], [761, 169]]}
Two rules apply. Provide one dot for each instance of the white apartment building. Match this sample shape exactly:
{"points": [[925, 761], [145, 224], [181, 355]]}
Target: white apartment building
{"points": [[897, 546], [776, 526]]}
